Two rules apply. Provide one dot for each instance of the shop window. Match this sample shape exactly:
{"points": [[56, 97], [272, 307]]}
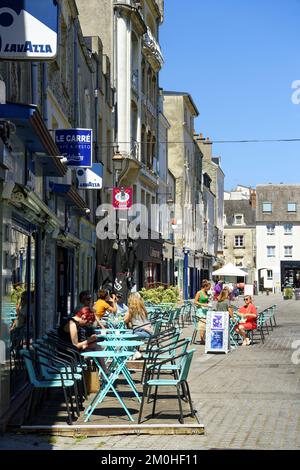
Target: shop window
{"points": [[18, 323]]}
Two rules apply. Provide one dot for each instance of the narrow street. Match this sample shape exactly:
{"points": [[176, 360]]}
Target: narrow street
{"points": [[248, 399]]}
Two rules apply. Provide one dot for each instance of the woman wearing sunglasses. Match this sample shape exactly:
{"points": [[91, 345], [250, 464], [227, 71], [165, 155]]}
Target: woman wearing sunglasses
{"points": [[248, 314]]}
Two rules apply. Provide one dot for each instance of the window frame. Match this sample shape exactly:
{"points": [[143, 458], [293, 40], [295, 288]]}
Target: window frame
{"points": [[292, 210], [288, 253], [268, 230], [269, 277], [286, 232], [235, 241], [271, 255], [267, 211]]}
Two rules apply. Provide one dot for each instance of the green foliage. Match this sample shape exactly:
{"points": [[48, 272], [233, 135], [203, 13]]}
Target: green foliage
{"points": [[15, 294], [288, 293], [160, 295]]}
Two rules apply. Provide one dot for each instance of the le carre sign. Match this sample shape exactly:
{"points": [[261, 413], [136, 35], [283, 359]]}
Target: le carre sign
{"points": [[76, 145], [28, 29]]}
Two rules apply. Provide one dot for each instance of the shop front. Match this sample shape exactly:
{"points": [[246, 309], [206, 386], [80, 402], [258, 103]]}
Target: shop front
{"points": [[24, 226], [290, 274], [149, 263]]}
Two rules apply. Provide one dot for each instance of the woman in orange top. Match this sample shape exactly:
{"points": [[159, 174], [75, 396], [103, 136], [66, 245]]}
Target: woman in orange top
{"points": [[248, 314], [102, 305]]}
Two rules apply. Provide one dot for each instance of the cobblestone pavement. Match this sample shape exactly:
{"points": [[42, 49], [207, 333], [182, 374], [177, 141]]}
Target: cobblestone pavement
{"points": [[248, 399]]}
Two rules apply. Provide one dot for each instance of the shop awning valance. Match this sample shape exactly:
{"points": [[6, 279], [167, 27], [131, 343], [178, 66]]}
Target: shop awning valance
{"points": [[70, 195], [31, 130]]}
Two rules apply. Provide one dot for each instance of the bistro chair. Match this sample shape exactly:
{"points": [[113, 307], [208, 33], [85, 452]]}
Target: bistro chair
{"points": [[153, 379], [37, 383]]}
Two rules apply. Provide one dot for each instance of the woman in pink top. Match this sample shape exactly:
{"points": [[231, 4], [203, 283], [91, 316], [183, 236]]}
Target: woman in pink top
{"points": [[248, 314]]}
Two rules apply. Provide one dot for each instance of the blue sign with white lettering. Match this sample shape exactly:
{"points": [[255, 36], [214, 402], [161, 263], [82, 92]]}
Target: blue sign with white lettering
{"points": [[76, 145], [28, 29]]}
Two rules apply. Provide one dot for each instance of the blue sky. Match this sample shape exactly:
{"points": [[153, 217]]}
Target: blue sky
{"points": [[238, 59]]}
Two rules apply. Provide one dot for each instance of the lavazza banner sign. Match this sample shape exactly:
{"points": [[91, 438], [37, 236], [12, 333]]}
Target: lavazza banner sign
{"points": [[28, 29]]}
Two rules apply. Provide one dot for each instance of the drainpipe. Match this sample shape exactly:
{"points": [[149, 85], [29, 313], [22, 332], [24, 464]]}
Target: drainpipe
{"points": [[75, 73], [34, 83], [44, 92]]}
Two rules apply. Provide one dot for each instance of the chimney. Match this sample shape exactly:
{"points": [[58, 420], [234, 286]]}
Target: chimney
{"points": [[253, 198]]}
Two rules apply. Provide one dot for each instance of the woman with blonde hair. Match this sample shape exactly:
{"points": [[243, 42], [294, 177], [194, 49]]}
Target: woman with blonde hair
{"points": [[137, 317], [223, 304]]}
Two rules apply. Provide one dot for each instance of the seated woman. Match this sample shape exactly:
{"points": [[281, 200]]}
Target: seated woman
{"points": [[104, 304], [201, 301], [137, 318], [223, 304], [73, 330], [248, 314]]}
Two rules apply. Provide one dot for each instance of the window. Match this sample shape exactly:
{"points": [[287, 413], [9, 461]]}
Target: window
{"points": [[292, 207], [267, 207], [270, 251], [288, 229], [239, 261], [271, 229], [269, 274], [288, 251], [238, 219], [239, 240]]}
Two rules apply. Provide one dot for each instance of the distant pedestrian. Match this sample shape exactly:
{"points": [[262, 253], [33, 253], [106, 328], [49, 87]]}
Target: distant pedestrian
{"points": [[201, 301]]}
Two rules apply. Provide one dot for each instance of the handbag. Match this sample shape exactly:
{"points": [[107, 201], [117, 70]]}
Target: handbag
{"points": [[92, 381]]}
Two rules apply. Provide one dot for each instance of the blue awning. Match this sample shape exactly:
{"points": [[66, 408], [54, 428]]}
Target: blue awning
{"points": [[71, 196], [31, 130]]}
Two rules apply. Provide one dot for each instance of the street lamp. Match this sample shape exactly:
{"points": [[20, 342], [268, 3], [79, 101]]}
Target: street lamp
{"points": [[185, 273], [117, 160]]}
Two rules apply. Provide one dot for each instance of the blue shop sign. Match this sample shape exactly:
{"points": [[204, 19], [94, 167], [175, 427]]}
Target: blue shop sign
{"points": [[76, 145], [28, 29], [90, 178]]}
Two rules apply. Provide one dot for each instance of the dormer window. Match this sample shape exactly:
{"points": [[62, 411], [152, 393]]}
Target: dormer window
{"points": [[238, 219]]}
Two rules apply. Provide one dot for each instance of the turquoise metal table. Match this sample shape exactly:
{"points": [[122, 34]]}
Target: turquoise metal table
{"points": [[123, 345], [117, 367]]}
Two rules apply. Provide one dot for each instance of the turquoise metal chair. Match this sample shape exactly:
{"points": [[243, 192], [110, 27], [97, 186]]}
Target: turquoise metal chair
{"points": [[156, 381], [37, 383]]}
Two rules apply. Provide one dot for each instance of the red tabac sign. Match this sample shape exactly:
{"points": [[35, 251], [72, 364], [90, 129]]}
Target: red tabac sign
{"points": [[122, 198]]}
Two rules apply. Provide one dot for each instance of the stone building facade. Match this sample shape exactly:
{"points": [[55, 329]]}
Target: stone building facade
{"points": [[185, 162], [240, 236], [131, 43]]}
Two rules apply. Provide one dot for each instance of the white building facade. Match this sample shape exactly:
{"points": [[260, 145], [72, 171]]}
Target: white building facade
{"points": [[278, 236]]}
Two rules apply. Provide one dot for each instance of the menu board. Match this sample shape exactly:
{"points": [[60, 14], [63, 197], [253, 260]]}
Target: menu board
{"points": [[217, 332]]}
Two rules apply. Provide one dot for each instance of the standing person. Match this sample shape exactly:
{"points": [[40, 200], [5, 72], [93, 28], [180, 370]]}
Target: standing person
{"points": [[201, 301], [223, 304], [218, 289], [104, 304], [248, 320]]}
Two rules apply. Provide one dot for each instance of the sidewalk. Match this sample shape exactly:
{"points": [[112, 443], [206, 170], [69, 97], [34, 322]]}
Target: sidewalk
{"points": [[248, 399]]}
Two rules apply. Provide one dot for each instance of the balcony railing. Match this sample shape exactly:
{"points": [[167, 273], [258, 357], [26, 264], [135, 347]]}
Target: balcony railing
{"points": [[151, 46], [135, 81]]}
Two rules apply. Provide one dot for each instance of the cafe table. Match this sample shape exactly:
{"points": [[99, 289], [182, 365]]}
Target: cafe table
{"points": [[122, 345], [109, 377]]}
